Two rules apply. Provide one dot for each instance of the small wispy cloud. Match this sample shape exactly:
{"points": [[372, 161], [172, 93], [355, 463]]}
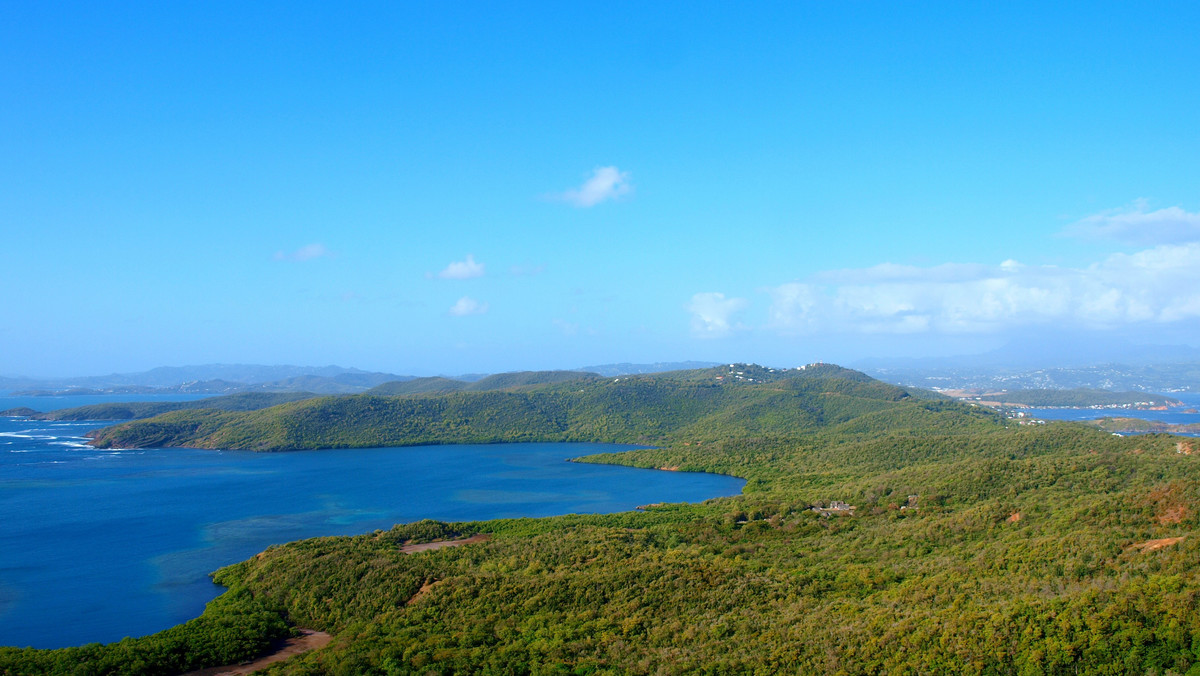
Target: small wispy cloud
{"points": [[605, 183], [305, 253], [712, 313], [468, 306], [465, 269], [1137, 224]]}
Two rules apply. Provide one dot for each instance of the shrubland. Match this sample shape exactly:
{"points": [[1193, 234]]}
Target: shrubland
{"points": [[975, 545]]}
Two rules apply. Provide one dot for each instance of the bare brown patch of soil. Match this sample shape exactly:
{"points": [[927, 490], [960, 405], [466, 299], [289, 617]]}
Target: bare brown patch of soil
{"points": [[1153, 545], [427, 546], [308, 640], [1173, 514], [669, 468], [1184, 447], [1170, 503], [1014, 517], [423, 591]]}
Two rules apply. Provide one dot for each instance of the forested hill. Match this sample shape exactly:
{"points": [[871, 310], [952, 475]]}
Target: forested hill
{"points": [[498, 381], [878, 532], [135, 410], [728, 402]]}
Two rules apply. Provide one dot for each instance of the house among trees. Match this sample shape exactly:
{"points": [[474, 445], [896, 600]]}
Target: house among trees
{"points": [[834, 507]]}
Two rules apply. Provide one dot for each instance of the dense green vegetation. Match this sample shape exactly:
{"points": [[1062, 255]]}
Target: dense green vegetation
{"points": [[973, 547], [135, 410], [1082, 397], [638, 409], [499, 381], [235, 627]]}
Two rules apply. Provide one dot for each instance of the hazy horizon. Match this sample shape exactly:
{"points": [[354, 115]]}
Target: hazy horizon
{"points": [[479, 189]]}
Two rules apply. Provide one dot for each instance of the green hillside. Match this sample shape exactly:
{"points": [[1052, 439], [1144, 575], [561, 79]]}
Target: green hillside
{"points": [[973, 545], [417, 386], [135, 410], [637, 409], [499, 381]]}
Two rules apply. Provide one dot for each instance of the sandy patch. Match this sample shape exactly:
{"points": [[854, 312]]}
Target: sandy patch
{"points": [[1152, 545], [1184, 447], [669, 468], [307, 640], [427, 546], [1014, 517]]}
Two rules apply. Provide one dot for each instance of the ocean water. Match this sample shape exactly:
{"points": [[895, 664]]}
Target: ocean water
{"points": [[1177, 414], [98, 545]]}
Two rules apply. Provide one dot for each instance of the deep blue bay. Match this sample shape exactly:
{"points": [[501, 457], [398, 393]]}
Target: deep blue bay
{"points": [[1173, 415], [98, 545]]}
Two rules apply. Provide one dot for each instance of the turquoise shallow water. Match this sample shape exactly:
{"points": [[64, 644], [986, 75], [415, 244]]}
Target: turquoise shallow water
{"points": [[99, 545]]}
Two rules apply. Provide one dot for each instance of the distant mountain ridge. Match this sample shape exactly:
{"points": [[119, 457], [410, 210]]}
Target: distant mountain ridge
{"points": [[1161, 378], [220, 379], [212, 379], [1054, 360]]}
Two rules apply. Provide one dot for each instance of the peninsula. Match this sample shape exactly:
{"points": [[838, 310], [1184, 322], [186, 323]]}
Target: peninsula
{"points": [[881, 529]]}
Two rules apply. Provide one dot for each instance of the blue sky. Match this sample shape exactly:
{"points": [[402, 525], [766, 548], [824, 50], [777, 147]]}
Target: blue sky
{"points": [[432, 188]]}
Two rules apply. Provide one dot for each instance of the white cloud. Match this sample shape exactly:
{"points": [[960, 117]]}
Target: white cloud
{"points": [[712, 313], [468, 306], [462, 269], [1136, 225], [1154, 286], [606, 183], [304, 253]]}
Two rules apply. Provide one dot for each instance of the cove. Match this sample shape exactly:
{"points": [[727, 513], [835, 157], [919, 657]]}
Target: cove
{"points": [[99, 545]]}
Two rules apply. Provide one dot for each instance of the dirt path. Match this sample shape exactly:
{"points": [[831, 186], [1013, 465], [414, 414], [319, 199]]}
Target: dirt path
{"points": [[413, 549], [1151, 545], [306, 641]]}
